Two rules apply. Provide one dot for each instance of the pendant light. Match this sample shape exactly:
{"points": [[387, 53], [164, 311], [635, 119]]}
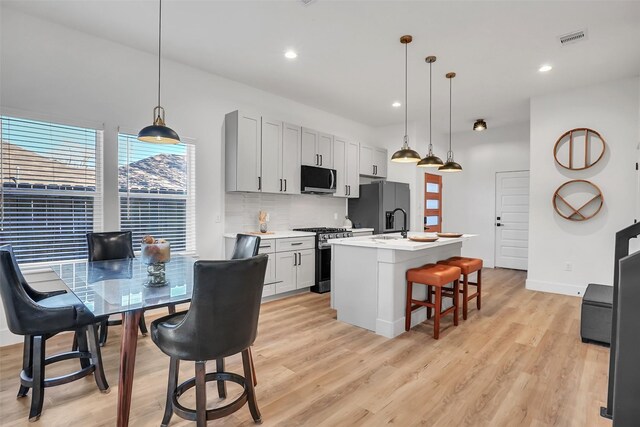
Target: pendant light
{"points": [[158, 132], [480, 125], [431, 160], [405, 154], [451, 165]]}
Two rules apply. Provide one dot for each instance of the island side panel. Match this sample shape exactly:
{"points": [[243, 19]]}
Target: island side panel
{"points": [[354, 283], [392, 266]]}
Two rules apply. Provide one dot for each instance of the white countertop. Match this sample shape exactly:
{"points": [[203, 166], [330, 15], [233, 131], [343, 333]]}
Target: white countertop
{"points": [[398, 244], [276, 234], [361, 230]]}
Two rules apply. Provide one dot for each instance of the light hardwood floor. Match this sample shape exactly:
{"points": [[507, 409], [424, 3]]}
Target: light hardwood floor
{"points": [[517, 362]]}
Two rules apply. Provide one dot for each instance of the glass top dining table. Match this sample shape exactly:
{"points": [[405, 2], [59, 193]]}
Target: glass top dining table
{"points": [[119, 287]]}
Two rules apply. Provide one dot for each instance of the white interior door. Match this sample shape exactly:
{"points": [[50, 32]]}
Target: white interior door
{"points": [[512, 219]]}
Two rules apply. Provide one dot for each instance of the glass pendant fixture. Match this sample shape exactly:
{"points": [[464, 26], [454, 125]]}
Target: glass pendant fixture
{"points": [[158, 132], [405, 154], [479, 125], [450, 165], [431, 160]]}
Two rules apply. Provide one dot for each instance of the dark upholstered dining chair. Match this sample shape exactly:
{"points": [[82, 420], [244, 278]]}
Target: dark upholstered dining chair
{"points": [[105, 247], [246, 246], [222, 321], [38, 316]]}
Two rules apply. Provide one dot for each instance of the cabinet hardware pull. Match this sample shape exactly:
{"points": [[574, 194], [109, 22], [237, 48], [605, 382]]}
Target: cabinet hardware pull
{"points": [[317, 160], [265, 247], [259, 183], [280, 184], [295, 259], [296, 244], [299, 258], [285, 184], [321, 160]]}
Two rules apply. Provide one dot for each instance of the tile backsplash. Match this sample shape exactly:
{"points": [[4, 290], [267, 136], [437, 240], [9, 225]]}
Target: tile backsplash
{"points": [[285, 211]]}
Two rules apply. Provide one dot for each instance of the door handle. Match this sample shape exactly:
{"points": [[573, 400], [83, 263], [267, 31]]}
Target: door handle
{"points": [[374, 169], [299, 258], [280, 184], [320, 159], [285, 184], [295, 259], [259, 183], [317, 160]]}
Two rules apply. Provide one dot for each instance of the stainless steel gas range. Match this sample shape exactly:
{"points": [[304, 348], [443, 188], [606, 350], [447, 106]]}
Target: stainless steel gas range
{"points": [[323, 254]]}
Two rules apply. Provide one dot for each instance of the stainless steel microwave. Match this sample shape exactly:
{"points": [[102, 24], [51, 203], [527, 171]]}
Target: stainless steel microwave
{"points": [[315, 180]]}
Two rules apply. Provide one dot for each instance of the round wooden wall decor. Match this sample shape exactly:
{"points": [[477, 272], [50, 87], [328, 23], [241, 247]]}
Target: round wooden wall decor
{"points": [[579, 149], [578, 200]]}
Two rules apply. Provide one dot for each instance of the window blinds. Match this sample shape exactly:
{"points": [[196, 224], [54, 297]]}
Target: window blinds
{"points": [[51, 188], [157, 191]]}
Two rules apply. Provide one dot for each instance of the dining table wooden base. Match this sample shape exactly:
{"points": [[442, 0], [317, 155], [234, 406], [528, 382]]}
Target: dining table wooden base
{"points": [[129, 345]]}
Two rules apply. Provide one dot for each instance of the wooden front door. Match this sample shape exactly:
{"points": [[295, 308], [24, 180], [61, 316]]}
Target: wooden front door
{"points": [[432, 203]]}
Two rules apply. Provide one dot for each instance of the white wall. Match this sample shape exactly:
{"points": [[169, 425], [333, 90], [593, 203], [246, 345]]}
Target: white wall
{"points": [[612, 109], [47, 70], [469, 196]]}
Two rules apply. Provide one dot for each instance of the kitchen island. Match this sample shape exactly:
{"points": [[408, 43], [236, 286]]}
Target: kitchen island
{"points": [[368, 285]]}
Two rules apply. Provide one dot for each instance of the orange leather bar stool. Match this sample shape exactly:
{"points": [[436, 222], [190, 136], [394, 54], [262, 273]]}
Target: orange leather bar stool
{"points": [[468, 266], [434, 276]]}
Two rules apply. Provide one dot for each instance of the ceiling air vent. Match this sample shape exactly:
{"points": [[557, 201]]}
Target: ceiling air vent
{"points": [[573, 37]]}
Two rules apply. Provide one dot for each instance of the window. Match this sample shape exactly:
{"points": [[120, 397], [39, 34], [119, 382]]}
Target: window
{"points": [[157, 191], [432, 203], [51, 188]]}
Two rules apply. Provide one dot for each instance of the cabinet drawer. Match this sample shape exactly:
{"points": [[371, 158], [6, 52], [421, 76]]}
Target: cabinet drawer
{"points": [[268, 290], [295, 244], [267, 246]]}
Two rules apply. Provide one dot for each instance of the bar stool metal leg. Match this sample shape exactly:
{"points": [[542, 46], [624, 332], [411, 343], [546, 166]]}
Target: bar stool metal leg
{"points": [[479, 290], [222, 387], [27, 363], [96, 358], [465, 295], [407, 312], [37, 396], [456, 287], [438, 310], [174, 369], [201, 394], [251, 392]]}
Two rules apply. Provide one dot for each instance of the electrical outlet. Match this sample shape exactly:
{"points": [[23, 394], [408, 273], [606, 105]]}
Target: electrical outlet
{"points": [[568, 266]]}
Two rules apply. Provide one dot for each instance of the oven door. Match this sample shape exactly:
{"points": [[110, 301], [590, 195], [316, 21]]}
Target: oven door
{"points": [[323, 270]]}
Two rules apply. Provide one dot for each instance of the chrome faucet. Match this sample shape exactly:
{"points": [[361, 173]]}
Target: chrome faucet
{"points": [[404, 224]]}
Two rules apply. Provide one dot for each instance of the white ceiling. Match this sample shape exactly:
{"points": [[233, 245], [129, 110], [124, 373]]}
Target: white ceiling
{"points": [[350, 58]]}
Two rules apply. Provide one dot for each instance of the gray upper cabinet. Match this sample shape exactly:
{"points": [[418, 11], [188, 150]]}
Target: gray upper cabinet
{"points": [[271, 155], [373, 161], [346, 162], [291, 144], [261, 154], [317, 148], [242, 151]]}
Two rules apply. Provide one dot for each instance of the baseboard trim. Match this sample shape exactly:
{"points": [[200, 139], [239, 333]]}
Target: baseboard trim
{"points": [[555, 288]]}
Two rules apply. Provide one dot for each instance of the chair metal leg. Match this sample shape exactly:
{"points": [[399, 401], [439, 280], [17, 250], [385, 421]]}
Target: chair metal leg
{"points": [[251, 392], [143, 325], [201, 394], [80, 338], [96, 358], [222, 387], [174, 369], [27, 362], [104, 331], [37, 396]]}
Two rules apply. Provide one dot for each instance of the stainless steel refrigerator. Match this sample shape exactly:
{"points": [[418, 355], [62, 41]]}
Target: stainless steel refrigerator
{"points": [[377, 200]]}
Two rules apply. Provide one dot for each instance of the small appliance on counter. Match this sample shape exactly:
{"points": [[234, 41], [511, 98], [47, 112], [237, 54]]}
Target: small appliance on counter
{"points": [[323, 254], [374, 209]]}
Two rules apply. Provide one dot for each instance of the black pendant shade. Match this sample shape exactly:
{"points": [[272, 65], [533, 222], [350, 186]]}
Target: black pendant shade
{"points": [[405, 154], [430, 160], [479, 125], [158, 132], [450, 165]]}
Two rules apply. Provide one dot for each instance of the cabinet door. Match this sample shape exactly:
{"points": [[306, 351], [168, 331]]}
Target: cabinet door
{"points": [[285, 272], [339, 164], [291, 140], [325, 150], [309, 144], [306, 274], [248, 173], [271, 155], [270, 275], [352, 170], [366, 160], [380, 160]]}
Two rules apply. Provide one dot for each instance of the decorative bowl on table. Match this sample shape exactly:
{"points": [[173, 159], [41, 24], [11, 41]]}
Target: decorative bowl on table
{"points": [[155, 254], [423, 239], [449, 235]]}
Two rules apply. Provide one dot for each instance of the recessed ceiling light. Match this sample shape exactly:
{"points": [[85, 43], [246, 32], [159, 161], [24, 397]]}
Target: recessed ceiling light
{"points": [[396, 104], [290, 54], [545, 68]]}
